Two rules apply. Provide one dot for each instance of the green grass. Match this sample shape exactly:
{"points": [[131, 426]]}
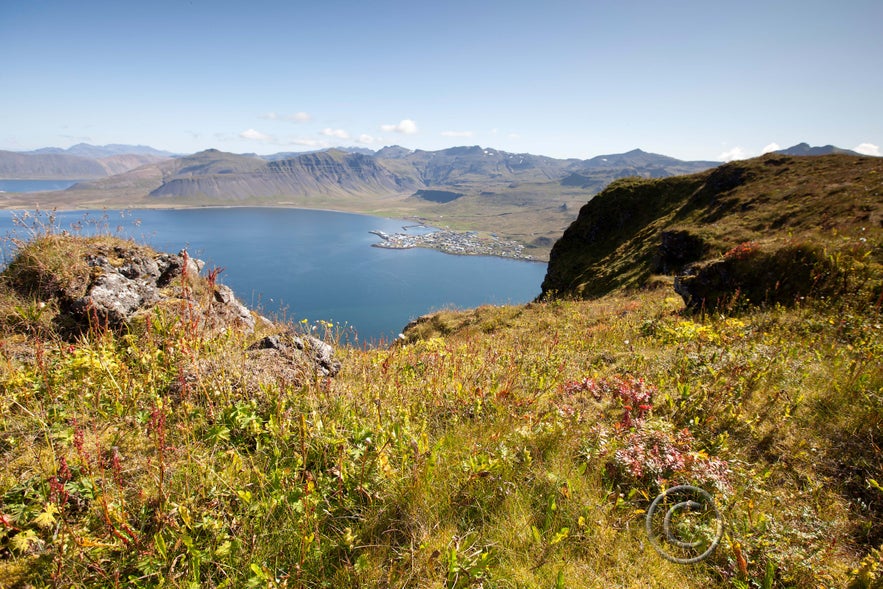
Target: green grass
{"points": [[833, 202], [498, 447]]}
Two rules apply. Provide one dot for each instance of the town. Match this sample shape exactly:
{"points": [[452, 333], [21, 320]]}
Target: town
{"points": [[463, 243]]}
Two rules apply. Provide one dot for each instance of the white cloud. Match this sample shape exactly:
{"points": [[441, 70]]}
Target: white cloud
{"points": [[256, 136], [298, 117], [405, 126], [365, 139], [338, 133], [312, 143], [736, 153], [456, 133], [513, 136], [771, 147], [867, 149]]}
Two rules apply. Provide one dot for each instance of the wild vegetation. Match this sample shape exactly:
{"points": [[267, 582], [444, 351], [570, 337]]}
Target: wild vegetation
{"points": [[495, 447], [638, 228]]}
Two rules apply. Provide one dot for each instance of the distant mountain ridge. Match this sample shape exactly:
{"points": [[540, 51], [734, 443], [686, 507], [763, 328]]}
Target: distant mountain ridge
{"points": [[213, 174], [807, 149], [99, 151], [523, 197], [79, 162]]}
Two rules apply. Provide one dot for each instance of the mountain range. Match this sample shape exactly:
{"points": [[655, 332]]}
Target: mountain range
{"points": [[79, 162], [525, 197], [213, 175]]}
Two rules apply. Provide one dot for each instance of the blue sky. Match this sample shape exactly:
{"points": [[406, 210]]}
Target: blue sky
{"points": [[690, 79]]}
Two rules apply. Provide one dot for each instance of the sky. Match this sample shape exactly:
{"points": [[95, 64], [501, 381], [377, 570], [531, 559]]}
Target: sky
{"points": [[696, 80]]}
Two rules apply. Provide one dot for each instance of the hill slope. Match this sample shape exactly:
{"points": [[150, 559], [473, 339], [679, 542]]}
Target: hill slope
{"points": [[638, 228], [502, 446]]}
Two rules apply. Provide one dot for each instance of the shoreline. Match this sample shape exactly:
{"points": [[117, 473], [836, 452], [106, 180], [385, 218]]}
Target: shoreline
{"points": [[420, 222]]}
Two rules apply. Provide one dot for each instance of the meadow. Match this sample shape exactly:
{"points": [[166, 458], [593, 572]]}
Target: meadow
{"points": [[495, 447]]}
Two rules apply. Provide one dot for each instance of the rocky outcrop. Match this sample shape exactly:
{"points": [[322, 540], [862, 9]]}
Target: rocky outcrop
{"points": [[117, 285], [677, 248], [288, 344], [126, 281]]}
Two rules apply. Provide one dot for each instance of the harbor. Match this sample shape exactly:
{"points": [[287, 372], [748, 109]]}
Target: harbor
{"points": [[461, 243]]}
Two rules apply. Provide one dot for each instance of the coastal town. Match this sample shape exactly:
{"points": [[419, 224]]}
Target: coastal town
{"points": [[462, 243]]}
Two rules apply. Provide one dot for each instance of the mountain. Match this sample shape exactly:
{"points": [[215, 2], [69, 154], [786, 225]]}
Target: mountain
{"points": [[518, 196], [80, 162], [599, 171], [218, 177], [101, 151], [391, 170], [806, 149], [48, 166], [285, 155], [785, 208]]}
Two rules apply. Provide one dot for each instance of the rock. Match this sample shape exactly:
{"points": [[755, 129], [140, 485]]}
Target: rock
{"points": [[287, 344], [224, 294], [124, 281], [322, 354], [113, 297]]}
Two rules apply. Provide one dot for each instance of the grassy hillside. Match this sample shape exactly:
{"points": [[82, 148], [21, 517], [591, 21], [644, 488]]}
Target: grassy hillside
{"points": [[498, 447], [636, 229]]}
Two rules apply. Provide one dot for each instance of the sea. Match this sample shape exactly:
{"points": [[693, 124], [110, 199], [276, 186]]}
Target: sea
{"points": [[318, 266]]}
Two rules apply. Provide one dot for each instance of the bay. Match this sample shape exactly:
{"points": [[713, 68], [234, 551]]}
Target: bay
{"points": [[23, 186], [318, 265]]}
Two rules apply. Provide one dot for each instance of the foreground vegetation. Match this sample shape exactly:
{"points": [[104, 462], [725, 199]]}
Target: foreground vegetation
{"points": [[498, 447]]}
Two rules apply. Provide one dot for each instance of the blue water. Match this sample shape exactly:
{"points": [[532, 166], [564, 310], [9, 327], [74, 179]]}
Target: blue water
{"points": [[319, 265], [35, 185]]}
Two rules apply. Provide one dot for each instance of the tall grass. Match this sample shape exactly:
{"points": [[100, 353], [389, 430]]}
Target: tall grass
{"points": [[503, 447]]}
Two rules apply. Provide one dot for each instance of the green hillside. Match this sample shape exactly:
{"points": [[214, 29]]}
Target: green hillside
{"points": [[637, 230]]}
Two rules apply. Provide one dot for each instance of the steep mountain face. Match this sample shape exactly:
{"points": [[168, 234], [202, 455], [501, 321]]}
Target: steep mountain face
{"points": [[215, 175], [463, 165], [786, 209]]}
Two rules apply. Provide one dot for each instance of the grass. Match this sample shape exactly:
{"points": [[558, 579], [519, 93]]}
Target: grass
{"points": [[833, 202], [497, 447]]}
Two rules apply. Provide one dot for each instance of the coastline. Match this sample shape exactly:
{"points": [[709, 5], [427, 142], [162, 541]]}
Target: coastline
{"points": [[453, 244]]}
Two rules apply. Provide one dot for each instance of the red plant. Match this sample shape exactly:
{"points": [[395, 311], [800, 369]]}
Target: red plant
{"points": [[634, 394], [743, 251], [658, 456]]}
